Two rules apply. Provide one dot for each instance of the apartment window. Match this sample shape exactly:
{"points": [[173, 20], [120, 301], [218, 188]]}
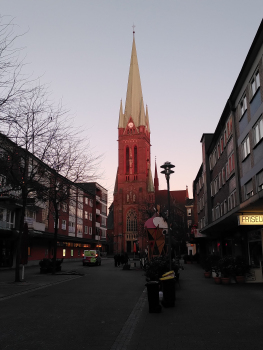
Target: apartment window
{"points": [[223, 176], [227, 171], [71, 227], [91, 202], [90, 230], [231, 164], [189, 211], [248, 189], [222, 209], [189, 223], [225, 138], [86, 230], [64, 225], [103, 221], [71, 252], [79, 228], [58, 223], [260, 181], [243, 106], [86, 200], [245, 148], [211, 188], [225, 206], [213, 214], [79, 213], [255, 83], [210, 162], [86, 215], [221, 144], [232, 201], [64, 207], [217, 212], [220, 180], [216, 185], [229, 127], [90, 216], [258, 131], [218, 151], [64, 252]]}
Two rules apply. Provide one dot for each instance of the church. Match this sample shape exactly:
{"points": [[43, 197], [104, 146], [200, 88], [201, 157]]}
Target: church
{"points": [[134, 189], [134, 192]]}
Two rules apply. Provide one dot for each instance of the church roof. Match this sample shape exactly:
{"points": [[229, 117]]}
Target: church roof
{"points": [[134, 106]]}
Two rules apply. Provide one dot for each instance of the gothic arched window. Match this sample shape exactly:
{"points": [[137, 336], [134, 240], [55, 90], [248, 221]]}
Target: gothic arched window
{"points": [[127, 160], [131, 221], [135, 160]]}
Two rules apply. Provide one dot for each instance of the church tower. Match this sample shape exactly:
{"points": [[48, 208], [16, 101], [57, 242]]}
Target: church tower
{"points": [[134, 188]]}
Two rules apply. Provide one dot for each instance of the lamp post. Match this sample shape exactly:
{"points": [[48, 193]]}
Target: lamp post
{"points": [[167, 166]]}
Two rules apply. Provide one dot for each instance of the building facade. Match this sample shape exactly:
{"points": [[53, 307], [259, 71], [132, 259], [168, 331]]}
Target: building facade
{"points": [[228, 187], [81, 215]]}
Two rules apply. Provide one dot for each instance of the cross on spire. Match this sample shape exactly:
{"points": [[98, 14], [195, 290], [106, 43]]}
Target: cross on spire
{"points": [[133, 26]]}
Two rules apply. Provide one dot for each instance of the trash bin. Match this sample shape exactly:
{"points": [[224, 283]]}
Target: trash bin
{"points": [[153, 296], [168, 287]]}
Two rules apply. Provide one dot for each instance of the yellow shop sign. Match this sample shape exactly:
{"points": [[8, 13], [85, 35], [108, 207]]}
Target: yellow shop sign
{"points": [[250, 219]]}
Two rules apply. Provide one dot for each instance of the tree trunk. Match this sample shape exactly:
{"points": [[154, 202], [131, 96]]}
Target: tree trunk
{"points": [[19, 240], [55, 243]]}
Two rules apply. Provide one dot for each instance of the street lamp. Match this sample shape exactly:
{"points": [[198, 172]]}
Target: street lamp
{"points": [[167, 166]]}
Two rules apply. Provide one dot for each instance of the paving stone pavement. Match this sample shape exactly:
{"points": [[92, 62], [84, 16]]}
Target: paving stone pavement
{"points": [[206, 316]]}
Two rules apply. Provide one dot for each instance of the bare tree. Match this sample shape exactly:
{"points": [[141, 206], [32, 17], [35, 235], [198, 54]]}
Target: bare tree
{"points": [[35, 124], [72, 162], [13, 84]]}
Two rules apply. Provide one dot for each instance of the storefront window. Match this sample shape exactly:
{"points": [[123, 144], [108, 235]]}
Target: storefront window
{"points": [[255, 248]]}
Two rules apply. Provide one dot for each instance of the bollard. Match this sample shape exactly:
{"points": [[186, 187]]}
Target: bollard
{"points": [[153, 296]]}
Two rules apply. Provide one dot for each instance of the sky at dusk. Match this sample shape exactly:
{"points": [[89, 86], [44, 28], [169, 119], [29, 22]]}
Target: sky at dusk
{"points": [[189, 52]]}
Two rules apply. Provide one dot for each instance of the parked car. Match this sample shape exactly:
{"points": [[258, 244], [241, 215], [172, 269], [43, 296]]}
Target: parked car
{"points": [[91, 257]]}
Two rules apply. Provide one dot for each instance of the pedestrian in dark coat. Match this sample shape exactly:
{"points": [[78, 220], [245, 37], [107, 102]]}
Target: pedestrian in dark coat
{"points": [[115, 260]]}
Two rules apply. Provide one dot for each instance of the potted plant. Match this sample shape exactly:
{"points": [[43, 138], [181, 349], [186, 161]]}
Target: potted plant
{"points": [[159, 266], [208, 267], [226, 265], [217, 277], [241, 267], [210, 263]]}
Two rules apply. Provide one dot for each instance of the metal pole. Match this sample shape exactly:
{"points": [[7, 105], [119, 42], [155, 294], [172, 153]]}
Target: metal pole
{"points": [[168, 222]]}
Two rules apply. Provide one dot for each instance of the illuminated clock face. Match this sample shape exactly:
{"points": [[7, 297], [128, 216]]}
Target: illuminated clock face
{"points": [[130, 125]]}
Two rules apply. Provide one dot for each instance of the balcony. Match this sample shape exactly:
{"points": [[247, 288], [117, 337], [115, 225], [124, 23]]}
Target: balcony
{"points": [[97, 212], [4, 224], [34, 225]]}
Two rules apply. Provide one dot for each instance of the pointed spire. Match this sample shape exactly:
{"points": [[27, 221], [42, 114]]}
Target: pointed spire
{"points": [[150, 187], [156, 179], [147, 119], [134, 106], [122, 119]]}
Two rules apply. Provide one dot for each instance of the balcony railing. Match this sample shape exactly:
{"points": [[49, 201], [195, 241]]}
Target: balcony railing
{"points": [[35, 225]]}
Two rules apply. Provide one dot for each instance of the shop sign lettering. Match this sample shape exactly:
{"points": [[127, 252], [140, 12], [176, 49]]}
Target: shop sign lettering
{"points": [[250, 219]]}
